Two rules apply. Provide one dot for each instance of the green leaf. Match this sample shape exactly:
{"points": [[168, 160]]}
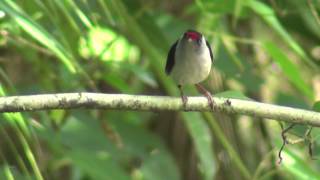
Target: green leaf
{"points": [[138, 36], [295, 165], [5, 172], [81, 15], [140, 73], [141, 150], [202, 140], [97, 165], [268, 15], [15, 118], [21, 128], [308, 22], [143, 145], [38, 33], [106, 45], [232, 94], [316, 106], [159, 160], [286, 99], [216, 6], [290, 70], [117, 82]]}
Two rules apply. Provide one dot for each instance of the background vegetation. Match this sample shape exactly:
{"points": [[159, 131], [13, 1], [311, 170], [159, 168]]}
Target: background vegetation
{"points": [[266, 50]]}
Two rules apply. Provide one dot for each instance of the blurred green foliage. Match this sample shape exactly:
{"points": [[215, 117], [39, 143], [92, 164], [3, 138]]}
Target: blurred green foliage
{"points": [[264, 50]]}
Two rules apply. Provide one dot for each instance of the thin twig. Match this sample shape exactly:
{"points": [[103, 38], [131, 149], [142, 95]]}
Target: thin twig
{"points": [[310, 142], [314, 12], [284, 139]]}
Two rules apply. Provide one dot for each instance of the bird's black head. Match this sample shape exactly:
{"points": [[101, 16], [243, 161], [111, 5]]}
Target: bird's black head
{"points": [[192, 35]]}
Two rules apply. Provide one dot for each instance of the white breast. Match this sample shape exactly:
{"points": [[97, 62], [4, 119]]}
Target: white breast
{"points": [[192, 63]]}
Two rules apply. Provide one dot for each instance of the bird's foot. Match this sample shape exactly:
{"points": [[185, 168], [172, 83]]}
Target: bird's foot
{"points": [[210, 99], [207, 94], [184, 101], [183, 97]]}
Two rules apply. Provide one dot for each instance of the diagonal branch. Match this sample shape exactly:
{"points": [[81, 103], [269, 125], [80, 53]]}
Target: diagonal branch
{"points": [[155, 103]]}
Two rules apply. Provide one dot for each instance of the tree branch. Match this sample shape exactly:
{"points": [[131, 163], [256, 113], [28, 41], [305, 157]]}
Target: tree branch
{"points": [[155, 103]]}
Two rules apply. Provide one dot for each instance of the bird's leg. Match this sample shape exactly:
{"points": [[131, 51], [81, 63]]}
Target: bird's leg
{"points": [[206, 93], [183, 97]]}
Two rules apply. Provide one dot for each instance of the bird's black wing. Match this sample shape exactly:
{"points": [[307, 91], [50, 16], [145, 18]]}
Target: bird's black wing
{"points": [[170, 58], [209, 47]]}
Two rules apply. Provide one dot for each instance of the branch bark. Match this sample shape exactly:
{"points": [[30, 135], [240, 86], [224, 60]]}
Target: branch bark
{"points": [[155, 103]]}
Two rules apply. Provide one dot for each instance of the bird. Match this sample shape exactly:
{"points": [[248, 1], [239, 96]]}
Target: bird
{"points": [[189, 62]]}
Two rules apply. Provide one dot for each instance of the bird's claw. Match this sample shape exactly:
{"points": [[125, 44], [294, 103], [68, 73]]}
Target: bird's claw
{"points": [[184, 101], [207, 94], [210, 100]]}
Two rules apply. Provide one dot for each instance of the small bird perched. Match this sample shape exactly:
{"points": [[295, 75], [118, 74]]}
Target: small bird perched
{"points": [[189, 62]]}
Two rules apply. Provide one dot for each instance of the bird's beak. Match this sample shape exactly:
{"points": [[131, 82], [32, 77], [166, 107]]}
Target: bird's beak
{"points": [[189, 40]]}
